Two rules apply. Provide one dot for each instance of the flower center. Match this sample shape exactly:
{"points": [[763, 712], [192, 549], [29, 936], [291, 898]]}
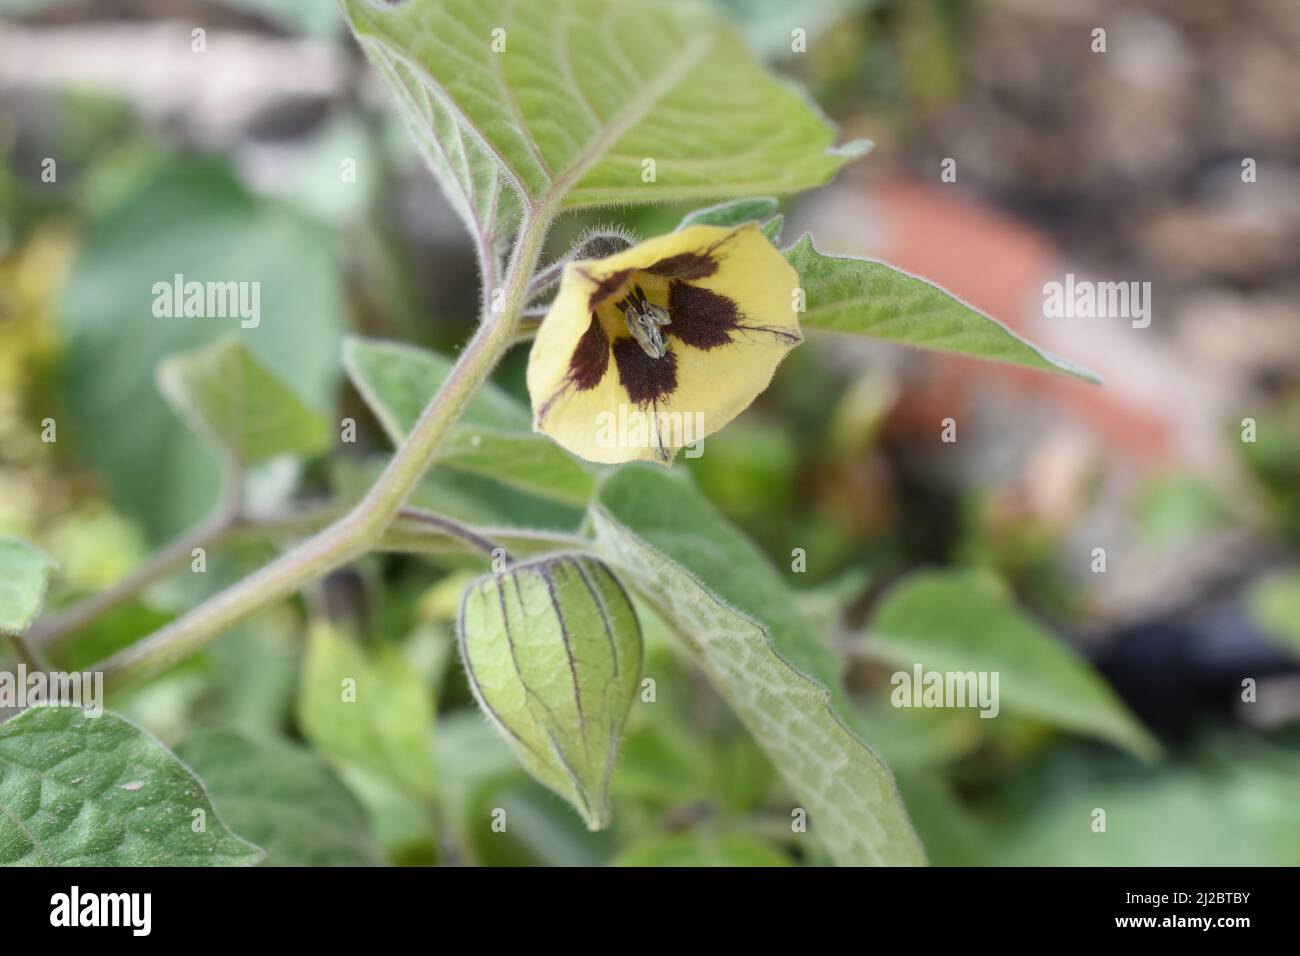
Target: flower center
{"points": [[645, 321]]}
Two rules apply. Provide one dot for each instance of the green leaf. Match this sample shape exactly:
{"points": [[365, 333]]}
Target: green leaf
{"points": [[471, 178], [732, 213], [952, 836], [736, 613], [472, 760], [1242, 812], [397, 380], [664, 763], [373, 711], [959, 621], [99, 791], [495, 436], [194, 219], [478, 775], [585, 90], [701, 849], [529, 462], [540, 831], [253, 675], [862, 297], [283, 797], [1274, 605], [735, 212], [400, 820], [231, 400], [24, 574], [772, 228]]}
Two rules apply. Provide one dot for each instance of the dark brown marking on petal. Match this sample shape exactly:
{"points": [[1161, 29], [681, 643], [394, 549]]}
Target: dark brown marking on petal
{"points": [[590, 358], [587, 367], [691, 265], [606, 287], [685, 265], [705, 319], [701, 318], [646, 379]]}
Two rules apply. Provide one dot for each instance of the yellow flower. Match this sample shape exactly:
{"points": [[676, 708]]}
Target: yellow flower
{"points": [[655, 347]]}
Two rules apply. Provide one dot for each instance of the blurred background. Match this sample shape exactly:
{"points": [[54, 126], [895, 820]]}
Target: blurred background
{"points": [[1122, 165]]}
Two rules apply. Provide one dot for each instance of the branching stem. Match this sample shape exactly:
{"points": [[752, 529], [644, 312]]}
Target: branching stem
{"points": [[363, 528]]}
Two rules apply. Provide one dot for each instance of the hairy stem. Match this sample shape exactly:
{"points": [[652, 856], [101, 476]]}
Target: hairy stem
{"points": [[456, 530], [363, 528], [546, 278], [161, 563]]}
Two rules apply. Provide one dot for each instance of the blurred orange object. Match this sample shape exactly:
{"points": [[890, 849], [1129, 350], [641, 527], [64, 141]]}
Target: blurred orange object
{"points": [[998, 264]]}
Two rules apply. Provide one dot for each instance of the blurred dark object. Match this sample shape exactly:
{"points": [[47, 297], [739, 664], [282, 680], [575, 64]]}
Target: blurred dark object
{"points": [[1182, 673]]}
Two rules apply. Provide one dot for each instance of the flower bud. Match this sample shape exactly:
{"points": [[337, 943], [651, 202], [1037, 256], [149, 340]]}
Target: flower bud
{"points": [[600, 244], [552, 649]]}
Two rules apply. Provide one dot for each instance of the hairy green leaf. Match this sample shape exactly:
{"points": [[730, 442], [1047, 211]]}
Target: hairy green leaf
{"points": [[735, 212], [231, 400], [24, 574], [495, 436], [582, 99], [862, 297], [285, 798], [960, 622], [475, 184], [732, 608], [99, 791]]}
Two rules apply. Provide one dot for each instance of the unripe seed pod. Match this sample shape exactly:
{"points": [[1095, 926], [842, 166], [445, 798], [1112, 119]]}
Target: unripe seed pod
{"points": [[552, 648]]}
